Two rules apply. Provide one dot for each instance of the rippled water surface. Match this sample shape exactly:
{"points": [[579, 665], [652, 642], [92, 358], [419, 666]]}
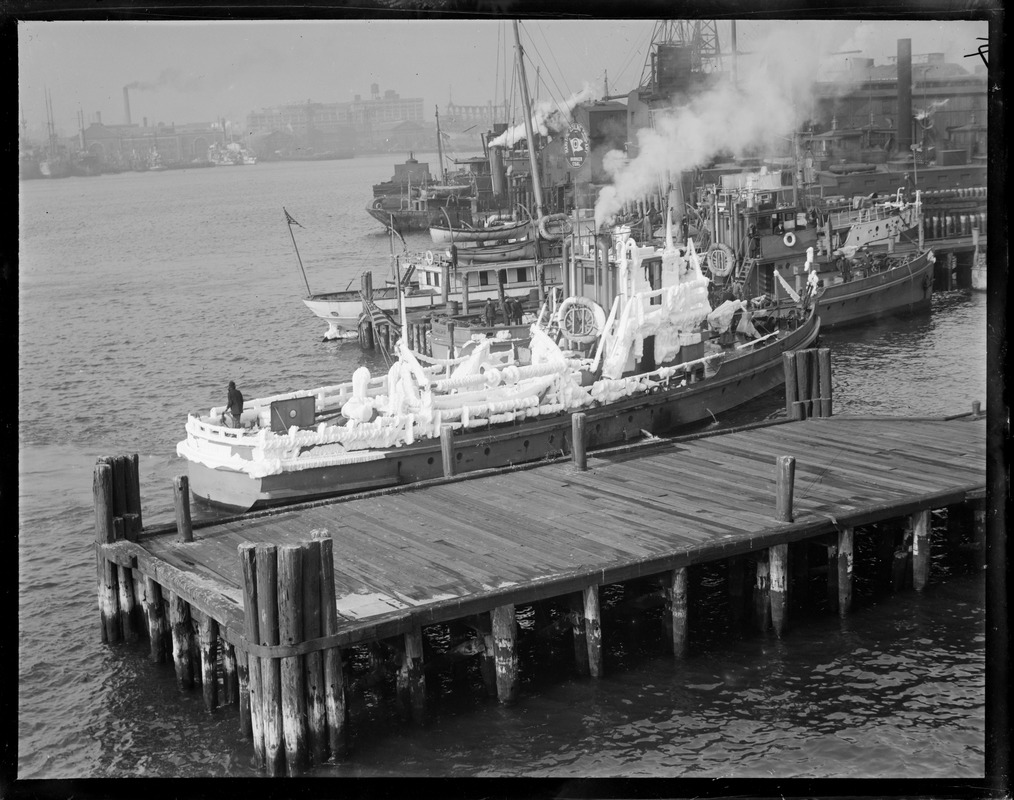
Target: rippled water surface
{"points": [[142, 295]]}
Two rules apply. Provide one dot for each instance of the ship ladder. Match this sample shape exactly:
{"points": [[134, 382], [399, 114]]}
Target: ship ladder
{"points": [[743, 271]]}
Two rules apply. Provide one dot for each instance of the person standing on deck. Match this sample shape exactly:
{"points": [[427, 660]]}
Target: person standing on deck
{"points": [[234, 410], [488, 313]]}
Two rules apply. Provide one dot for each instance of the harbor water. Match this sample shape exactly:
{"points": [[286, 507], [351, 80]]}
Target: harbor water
{"points": [[141, 295]]}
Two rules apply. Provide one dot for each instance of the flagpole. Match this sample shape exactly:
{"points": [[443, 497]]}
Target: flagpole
{"points": [[289, 220]]}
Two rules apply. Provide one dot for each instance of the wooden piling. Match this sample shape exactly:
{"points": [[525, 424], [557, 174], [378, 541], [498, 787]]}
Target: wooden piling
{"points": [[815, 383], [131, 526], [676, 611], [839, 571], [447, 449], [791, 392], [290, 632], [899, 561], [761, 593], [105, 533], [313, 662], [334, 677], [920, 522], [824, 359], [450, 339], [271, 679], [207, 642], [151, 603], [593, 630], [127, 603], [251, 692], [578, 422], [576, 603], [785, 478], [230, 673], [505, 653], [803, 383], [133, 481], [182, 635], [412, 677], [119, 464], [181, 503], [487, 661], [778, 564]]}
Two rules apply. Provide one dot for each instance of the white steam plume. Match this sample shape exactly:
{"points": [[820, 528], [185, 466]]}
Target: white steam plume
{"points": [[773, 94], [548, 117]]}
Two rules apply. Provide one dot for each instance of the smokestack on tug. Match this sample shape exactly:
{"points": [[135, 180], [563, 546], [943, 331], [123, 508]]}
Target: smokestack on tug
{"points": [[126, 102], [904, 134]]}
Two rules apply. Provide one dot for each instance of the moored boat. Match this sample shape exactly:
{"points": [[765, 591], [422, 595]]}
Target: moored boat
{"points": [[661, 359]]}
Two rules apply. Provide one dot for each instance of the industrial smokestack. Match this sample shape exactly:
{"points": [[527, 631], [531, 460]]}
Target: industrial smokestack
{"points": [[904, 97], [126, 103]]}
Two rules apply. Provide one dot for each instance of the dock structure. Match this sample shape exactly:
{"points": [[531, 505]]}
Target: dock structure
{"points": [[262, 609]]}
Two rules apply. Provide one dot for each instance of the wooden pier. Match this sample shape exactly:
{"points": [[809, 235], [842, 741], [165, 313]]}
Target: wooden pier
{"points": [[260, 610]]}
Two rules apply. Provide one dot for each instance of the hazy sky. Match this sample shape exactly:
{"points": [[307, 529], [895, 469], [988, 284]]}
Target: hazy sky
{"points": [[203, 71]]}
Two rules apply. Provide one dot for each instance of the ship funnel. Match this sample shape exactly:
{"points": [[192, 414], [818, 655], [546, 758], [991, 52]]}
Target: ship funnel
{"points": [[497, 171], [126, 102]]}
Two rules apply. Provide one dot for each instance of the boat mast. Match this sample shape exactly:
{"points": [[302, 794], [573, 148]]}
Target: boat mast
{"points": [[440, 144], [536, 186]]}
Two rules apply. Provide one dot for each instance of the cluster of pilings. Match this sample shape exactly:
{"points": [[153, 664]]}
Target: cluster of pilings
{"points": [[385, 335], [807, 383]]}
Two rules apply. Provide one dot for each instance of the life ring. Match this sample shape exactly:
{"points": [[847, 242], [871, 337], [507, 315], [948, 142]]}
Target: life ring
{"points": [[429, 258], [560, 224], [789, 239], [581, 319], [721, 260]]}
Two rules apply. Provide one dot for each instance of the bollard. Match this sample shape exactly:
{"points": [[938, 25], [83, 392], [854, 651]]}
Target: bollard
{"points": [[579, 441], [447, 449], [784, 485], [181, 501]]}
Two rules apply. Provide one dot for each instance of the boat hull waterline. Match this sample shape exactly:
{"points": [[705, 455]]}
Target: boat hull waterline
{"points": [[739, 380]]}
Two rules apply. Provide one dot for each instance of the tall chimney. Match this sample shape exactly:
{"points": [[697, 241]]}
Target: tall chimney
{"points": [[126, 103], [904, 97]]}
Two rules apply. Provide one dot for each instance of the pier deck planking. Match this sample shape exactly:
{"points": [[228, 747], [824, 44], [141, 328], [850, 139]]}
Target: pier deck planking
{"points": [[427, 553]]}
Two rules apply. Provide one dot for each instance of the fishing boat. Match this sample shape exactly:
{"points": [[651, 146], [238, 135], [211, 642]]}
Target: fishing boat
{"points": [[661, 359]]}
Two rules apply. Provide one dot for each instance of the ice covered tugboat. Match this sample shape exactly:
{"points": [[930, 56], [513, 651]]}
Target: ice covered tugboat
{"points": [[661, 358]]}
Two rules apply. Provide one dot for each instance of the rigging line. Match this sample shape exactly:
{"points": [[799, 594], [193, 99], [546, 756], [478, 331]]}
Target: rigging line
{"points": [[630, 59], [565, 92]]}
